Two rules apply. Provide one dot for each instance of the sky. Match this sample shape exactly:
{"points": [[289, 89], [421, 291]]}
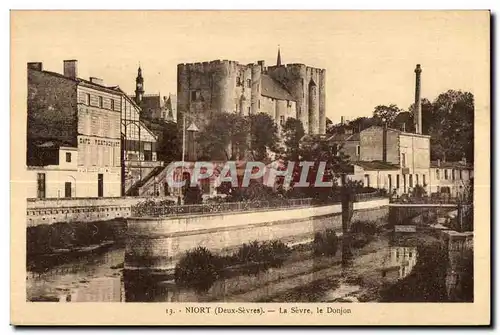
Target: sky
{"points": [[369, 57]]}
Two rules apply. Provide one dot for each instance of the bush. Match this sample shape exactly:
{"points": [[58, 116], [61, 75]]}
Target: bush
{"points": [[362, 232], [366, 227], [325, 243], [198, 269], [269, 253]]}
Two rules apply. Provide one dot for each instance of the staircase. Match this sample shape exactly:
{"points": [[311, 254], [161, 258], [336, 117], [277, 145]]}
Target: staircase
{"points": [[138, 188]]}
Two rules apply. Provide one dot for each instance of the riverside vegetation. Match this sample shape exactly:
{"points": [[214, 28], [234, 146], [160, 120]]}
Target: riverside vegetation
{"points": [[199, 268]]}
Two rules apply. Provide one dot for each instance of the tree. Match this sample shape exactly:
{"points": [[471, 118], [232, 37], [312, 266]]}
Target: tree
{"points": [[169, 146], [224, 137], [361, 123], [451, 126], [293, 131], [329, 125], [387, 114], [427, 111], [264, 134]]}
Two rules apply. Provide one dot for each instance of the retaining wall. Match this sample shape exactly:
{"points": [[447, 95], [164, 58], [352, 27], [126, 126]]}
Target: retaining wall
{"points": [[158, 243], [50, 211]]}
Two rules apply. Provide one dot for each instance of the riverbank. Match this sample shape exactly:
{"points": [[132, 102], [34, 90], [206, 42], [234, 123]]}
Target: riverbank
{"points": [[50, 245]]}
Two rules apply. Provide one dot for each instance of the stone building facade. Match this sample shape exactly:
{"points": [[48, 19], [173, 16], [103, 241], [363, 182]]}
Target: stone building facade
{"points": [[84, 137], [450, 178], [73, 141], [281, 91]]}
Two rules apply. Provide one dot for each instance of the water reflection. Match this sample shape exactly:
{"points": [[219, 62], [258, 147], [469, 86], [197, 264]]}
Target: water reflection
{"points": [[401, 261], [351, 274], [95, 277]]}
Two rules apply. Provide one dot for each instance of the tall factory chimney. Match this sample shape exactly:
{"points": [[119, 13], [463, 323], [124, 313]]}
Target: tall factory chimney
{"points": [[418, 103]]}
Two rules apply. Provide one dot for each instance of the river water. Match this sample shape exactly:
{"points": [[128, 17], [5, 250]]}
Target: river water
{"points": [[99, 277]]}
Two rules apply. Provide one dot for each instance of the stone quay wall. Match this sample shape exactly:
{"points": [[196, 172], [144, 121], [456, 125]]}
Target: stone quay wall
{"points": [[158, 243], [50, 211]]}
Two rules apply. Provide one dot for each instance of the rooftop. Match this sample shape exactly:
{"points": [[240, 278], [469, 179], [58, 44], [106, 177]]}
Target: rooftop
{"points": [[376, 165], [454, 165], [340, 137], [274, 89]]}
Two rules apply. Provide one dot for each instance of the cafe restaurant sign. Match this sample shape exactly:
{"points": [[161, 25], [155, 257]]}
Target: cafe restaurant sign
{"points": [[98, 141]]}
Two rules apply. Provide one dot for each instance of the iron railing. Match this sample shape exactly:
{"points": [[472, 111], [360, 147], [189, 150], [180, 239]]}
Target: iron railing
{"points": [[157, 210], [425, 200]]}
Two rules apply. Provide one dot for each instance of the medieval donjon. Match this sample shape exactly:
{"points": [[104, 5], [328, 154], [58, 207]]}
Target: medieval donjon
{"points": [[282, 91]]}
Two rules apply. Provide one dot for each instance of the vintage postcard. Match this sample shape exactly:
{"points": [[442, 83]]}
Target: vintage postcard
{"points": [[250, 167]]}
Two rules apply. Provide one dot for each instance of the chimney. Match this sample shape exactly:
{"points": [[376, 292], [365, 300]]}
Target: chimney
{"points": [[71, 68], [96, 80], [342, 120], [384, 143], [35, 66], [418, 103]]}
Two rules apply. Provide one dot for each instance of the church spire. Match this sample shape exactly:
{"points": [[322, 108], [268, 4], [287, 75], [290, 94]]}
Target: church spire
{"points": [[139, 86], [278, 61]]}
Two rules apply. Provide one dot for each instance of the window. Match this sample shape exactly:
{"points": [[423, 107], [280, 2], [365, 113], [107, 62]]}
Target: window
{"points": [[195, 95], [389, 178], [112, 104], [397, 181], [100, 102], [67, 189], [68, 157], [248, 110], [403, 160], [410, 180], [358, 150], [282, 120], [423, 180], [416, 179], [87, 99], [367, 180], [446, 174], [437, 174], [452, 174], [238, 81], [460, 174], [40, 185], [249, 83], [100, 185], [259, 103]]}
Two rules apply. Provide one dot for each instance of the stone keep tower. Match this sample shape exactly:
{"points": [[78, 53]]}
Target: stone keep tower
{"points": [[228, 86], [307, 85], [217, 86]]}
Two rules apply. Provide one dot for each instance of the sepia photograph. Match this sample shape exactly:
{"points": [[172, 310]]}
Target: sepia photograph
{"points": [[278, 158]]}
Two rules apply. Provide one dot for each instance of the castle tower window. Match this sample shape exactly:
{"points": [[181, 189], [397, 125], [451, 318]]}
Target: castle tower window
{"points": [[112, 104], [238, 81], [100, 102], [87, 99], [195, 95]]}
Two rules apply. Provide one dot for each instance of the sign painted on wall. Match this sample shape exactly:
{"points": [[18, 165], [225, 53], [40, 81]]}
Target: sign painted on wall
{"points": [[405, 229], [98, 141]]}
